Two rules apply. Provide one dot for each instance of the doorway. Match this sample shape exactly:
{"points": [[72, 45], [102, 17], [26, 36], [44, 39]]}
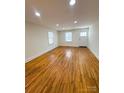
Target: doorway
{"points": [[83, 39]]}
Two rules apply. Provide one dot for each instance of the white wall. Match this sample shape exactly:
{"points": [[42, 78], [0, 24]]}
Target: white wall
{"points": [[93, 42], [36, 42], [75, 37]]}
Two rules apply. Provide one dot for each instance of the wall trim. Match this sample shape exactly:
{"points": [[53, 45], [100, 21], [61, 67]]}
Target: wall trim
{"points": [[39, 54], [93, 52], [68, 45]]}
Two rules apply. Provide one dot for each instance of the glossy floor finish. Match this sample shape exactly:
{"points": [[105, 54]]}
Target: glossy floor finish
{"points": [[63, 70]]}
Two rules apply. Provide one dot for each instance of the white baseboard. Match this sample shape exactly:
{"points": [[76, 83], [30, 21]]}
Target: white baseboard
{"points": [[37, 55], [41, 53], [93, 53], [68, 45]]}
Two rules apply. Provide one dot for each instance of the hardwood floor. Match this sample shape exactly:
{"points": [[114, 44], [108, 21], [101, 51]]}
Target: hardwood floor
{"points": [[63, 70]]}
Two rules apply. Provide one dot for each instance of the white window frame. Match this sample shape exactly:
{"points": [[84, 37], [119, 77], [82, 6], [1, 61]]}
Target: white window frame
{"points": [[67, 37], [50, 37], [83, 34]]}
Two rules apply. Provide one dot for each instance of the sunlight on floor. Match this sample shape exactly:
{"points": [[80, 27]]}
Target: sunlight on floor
{"points": [[68, 53]]}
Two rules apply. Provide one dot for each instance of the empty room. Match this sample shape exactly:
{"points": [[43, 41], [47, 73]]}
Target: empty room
{"points": [[62, 46]]}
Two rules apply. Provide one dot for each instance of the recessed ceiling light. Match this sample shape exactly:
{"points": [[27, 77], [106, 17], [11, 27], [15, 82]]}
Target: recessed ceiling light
{"points": [[37, 14], [75, 22], [57, 25], [72, 2], [63, 28]]}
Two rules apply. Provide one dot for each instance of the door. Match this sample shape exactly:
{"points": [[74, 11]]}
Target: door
{"points": [[83, 39]]}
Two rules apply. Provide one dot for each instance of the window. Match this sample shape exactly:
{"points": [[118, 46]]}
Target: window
{"points": [[68, 36], [50, 37], [83, 33]]}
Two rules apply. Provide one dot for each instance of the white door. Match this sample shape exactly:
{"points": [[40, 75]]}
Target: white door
{"points": [[83, 38]]}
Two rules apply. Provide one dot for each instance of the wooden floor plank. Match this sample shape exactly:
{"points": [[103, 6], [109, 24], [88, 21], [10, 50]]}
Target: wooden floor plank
{"points": [[63, 70]]}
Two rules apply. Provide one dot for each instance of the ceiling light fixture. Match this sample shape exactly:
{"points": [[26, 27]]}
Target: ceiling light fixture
{"points": [[37, 14], [57, 25], [75, 22], [72, 2]]}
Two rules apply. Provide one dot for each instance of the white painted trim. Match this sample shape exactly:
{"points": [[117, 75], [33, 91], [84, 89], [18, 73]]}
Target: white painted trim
{"points": [[68, 45], [93, 52], [39, 54]]}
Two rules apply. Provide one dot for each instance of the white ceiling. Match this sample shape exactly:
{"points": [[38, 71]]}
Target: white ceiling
{"points": [[60, 12]]}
